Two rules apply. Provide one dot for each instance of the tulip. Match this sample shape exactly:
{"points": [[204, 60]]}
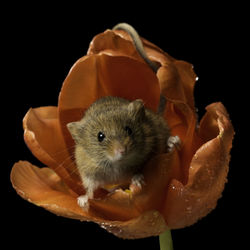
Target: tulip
{"points": [[181, 186]]}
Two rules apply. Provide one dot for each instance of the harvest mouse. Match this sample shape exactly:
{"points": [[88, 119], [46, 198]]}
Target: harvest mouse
{"points": [[113, 140], [116, 136]]}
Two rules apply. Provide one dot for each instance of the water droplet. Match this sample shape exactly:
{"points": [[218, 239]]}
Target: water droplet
{"points": [[197, 78], [195, 157], [102, 225], [119, 231]]}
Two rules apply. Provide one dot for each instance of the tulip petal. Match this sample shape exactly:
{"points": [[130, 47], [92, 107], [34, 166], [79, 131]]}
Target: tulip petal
{"points": [[96, 76], [185, 204], [119, 42], [183, 123], [111, 43], [188, 78], [176, 77], [150, 223], [100, 75], [43, 136], [116, 206], [158, 172], [177, 80], [44, 188]]}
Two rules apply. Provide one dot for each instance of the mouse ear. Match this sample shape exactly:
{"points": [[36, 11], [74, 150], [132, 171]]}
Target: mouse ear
{"points": [[75, 128], [136, 109]]}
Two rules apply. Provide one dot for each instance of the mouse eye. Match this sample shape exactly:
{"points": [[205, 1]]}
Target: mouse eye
{"points": [[128, 130], [100, 136]]}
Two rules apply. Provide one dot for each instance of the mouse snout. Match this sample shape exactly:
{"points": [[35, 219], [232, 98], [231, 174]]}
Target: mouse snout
{"points": [[118, 150]]}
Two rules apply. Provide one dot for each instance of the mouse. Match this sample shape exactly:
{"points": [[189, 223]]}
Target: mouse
{"points": [[116, 137], [113, 141]]}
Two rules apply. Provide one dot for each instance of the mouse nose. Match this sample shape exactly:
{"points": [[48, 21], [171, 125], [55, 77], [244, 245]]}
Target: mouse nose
{"points": [[120, 150], [117, 151]]}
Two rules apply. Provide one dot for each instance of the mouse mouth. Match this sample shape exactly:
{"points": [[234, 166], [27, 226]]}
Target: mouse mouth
{"points": [[117, 156], [117, 153]]}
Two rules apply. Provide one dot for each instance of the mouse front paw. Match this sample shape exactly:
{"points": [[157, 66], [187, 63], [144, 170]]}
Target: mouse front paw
{"points": [[173, 142], [83, 202], [137, 182]]}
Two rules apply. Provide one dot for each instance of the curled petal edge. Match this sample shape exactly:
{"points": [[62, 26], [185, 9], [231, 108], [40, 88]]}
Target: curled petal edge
{"points": [[185, 204]]}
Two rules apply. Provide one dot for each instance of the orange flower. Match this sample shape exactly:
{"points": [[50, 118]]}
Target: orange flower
{"points": [[181, 187]]}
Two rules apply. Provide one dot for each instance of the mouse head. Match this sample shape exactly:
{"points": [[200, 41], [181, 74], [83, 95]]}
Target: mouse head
{"points": [[112, 134]]}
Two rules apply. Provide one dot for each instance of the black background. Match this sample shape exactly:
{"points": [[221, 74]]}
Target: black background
{"points": [[41, 43]]}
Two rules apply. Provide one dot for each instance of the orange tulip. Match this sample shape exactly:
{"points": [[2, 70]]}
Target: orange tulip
{"points": [[181, 187]]}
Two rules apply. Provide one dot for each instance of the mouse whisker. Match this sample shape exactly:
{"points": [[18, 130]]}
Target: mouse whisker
{"points": [[61, 163], [69, 172], [63, 151]]}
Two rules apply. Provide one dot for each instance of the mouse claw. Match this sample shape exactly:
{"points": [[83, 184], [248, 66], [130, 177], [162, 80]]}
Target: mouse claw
{"points": [[137, 182], [82, 201], [174, 142]]}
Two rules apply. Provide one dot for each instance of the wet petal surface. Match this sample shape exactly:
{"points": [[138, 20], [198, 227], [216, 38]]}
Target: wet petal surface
{"points": [[208, 170], [44, 188]]}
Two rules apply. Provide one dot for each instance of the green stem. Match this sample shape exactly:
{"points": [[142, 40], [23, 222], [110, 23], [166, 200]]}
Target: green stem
{"points": [[166, 242]]}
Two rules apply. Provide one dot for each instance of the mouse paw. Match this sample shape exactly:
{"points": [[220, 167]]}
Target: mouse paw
{"points": [[136, 182], [173, 142], [82, 201]]}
